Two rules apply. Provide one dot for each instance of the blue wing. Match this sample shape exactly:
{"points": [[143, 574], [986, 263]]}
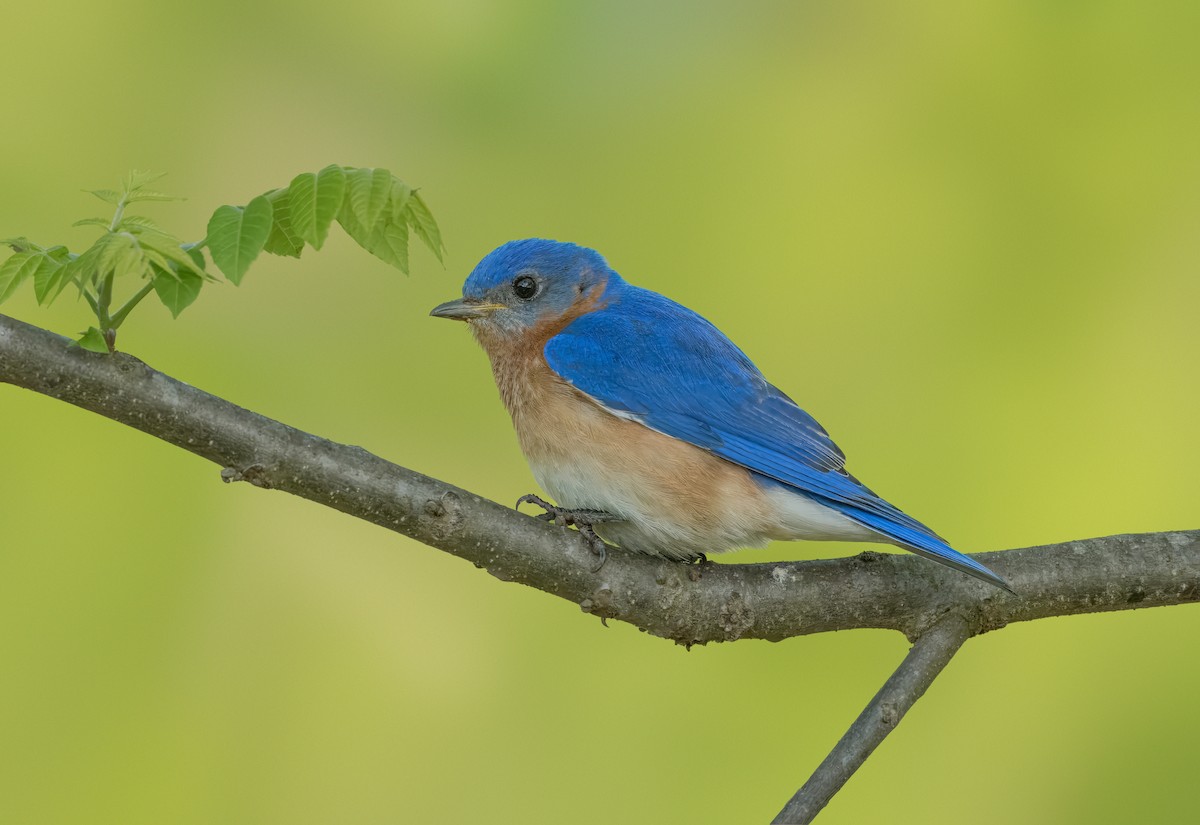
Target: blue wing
{"points": [[648, 358]]}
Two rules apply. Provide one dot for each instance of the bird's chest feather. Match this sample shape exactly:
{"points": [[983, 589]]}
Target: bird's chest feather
{"points": [[571, 444], [677, 495]]}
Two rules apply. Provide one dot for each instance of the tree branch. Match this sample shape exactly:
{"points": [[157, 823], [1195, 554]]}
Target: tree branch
{"points": [[927, 658], [689, 604], [934, 606]]}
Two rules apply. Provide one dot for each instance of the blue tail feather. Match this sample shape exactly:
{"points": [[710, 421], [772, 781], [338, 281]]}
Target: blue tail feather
{"points": [[922, 543]]}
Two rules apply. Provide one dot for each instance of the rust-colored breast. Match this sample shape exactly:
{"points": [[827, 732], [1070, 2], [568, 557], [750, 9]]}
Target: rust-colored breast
{"points": [[679, 499]]}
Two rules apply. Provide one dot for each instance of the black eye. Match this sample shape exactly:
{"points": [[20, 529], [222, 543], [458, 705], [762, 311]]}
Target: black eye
{"points": [[525, 287]]}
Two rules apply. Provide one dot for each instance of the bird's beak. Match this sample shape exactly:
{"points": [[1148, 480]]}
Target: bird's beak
{"points": [[464, 309]]}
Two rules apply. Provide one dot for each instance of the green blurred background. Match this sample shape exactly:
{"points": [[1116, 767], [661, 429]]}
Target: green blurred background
{"points": [[964, 236]]}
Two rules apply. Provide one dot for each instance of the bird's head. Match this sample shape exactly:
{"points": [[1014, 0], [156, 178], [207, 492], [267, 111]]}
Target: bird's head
{"points": [[527, 286]]}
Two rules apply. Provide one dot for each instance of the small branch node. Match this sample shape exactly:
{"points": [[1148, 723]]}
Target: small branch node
{"points": [[255, 474]]}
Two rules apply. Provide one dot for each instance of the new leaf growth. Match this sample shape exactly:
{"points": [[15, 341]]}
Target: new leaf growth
{"points": [[375, 208]]}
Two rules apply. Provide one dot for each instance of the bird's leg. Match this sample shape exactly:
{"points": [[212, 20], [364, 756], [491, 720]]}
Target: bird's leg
{"points": [[582, 520]]}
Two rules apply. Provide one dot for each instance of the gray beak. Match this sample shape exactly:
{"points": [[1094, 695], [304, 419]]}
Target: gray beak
{"points": [[464, 309]]}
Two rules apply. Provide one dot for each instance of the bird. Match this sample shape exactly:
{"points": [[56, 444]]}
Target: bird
{"points": [[651, 429]]}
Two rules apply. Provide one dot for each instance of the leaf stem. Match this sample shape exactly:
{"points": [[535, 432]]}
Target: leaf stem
{"points": [[120, 213], [104, 296], [118, 317], [104, 301]]}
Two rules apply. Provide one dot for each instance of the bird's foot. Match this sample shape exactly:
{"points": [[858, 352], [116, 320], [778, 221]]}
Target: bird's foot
{"points": [[696, 565], [582, 520]]}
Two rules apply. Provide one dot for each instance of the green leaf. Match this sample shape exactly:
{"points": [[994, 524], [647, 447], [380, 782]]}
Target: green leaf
{"points": [[401, 192], [314, 200], [170, 248], [387, 240], [81, 270], [119, 253], [92, 341], [283, 239], [177, 289], [368, 192], [46, 268], [52, 268], [156, 259], [424, 224], [352, 225], [135, 187], [146, 195], [93, 222], [389, 243], [106, 195], [16, 269], [197, 257], [387, 236], [132, 222], [137, 178], [237, 235], [114, 253]]}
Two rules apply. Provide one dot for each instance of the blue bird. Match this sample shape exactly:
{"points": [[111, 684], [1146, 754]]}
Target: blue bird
{"points": [[650, 427]]}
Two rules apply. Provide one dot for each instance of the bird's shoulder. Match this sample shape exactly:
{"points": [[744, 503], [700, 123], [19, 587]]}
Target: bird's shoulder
{"points": [[655, 320], [635, 336], [646, 357]]}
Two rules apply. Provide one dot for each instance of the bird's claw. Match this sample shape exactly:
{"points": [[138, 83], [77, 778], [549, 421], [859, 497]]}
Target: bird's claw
{"points": [[598, 547], [582, 520]]}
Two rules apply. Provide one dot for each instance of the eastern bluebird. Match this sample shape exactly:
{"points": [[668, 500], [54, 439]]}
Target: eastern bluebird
{"points": [[644, 420]]}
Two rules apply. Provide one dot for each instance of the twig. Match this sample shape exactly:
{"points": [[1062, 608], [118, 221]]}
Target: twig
{"points": [[929, 655]]}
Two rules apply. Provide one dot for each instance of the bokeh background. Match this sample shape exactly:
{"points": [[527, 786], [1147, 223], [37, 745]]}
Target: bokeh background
{"points": [[965, 236]]}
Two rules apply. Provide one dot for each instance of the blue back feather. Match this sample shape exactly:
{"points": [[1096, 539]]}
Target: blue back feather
{"points": [[649, 358]]}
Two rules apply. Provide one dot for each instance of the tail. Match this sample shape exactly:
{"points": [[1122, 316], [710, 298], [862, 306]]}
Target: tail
{"points": [[925, 543]]}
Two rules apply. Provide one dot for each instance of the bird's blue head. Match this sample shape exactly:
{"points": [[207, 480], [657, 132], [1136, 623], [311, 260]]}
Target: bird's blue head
{"points": [[529, 284]]}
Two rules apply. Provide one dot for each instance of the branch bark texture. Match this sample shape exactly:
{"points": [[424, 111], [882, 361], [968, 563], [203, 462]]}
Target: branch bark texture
{"points": [[689, 604]]}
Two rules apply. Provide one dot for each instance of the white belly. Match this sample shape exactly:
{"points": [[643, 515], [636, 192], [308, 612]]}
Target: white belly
{"points": [[654, 524]]}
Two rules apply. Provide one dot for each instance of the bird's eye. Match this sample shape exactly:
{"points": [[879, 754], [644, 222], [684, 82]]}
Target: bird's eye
{"points": [[525, 287]]}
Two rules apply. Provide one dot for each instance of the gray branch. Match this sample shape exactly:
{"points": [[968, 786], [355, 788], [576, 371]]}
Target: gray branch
{"points": [[937, 607], [927, 658], [688, 604]]}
